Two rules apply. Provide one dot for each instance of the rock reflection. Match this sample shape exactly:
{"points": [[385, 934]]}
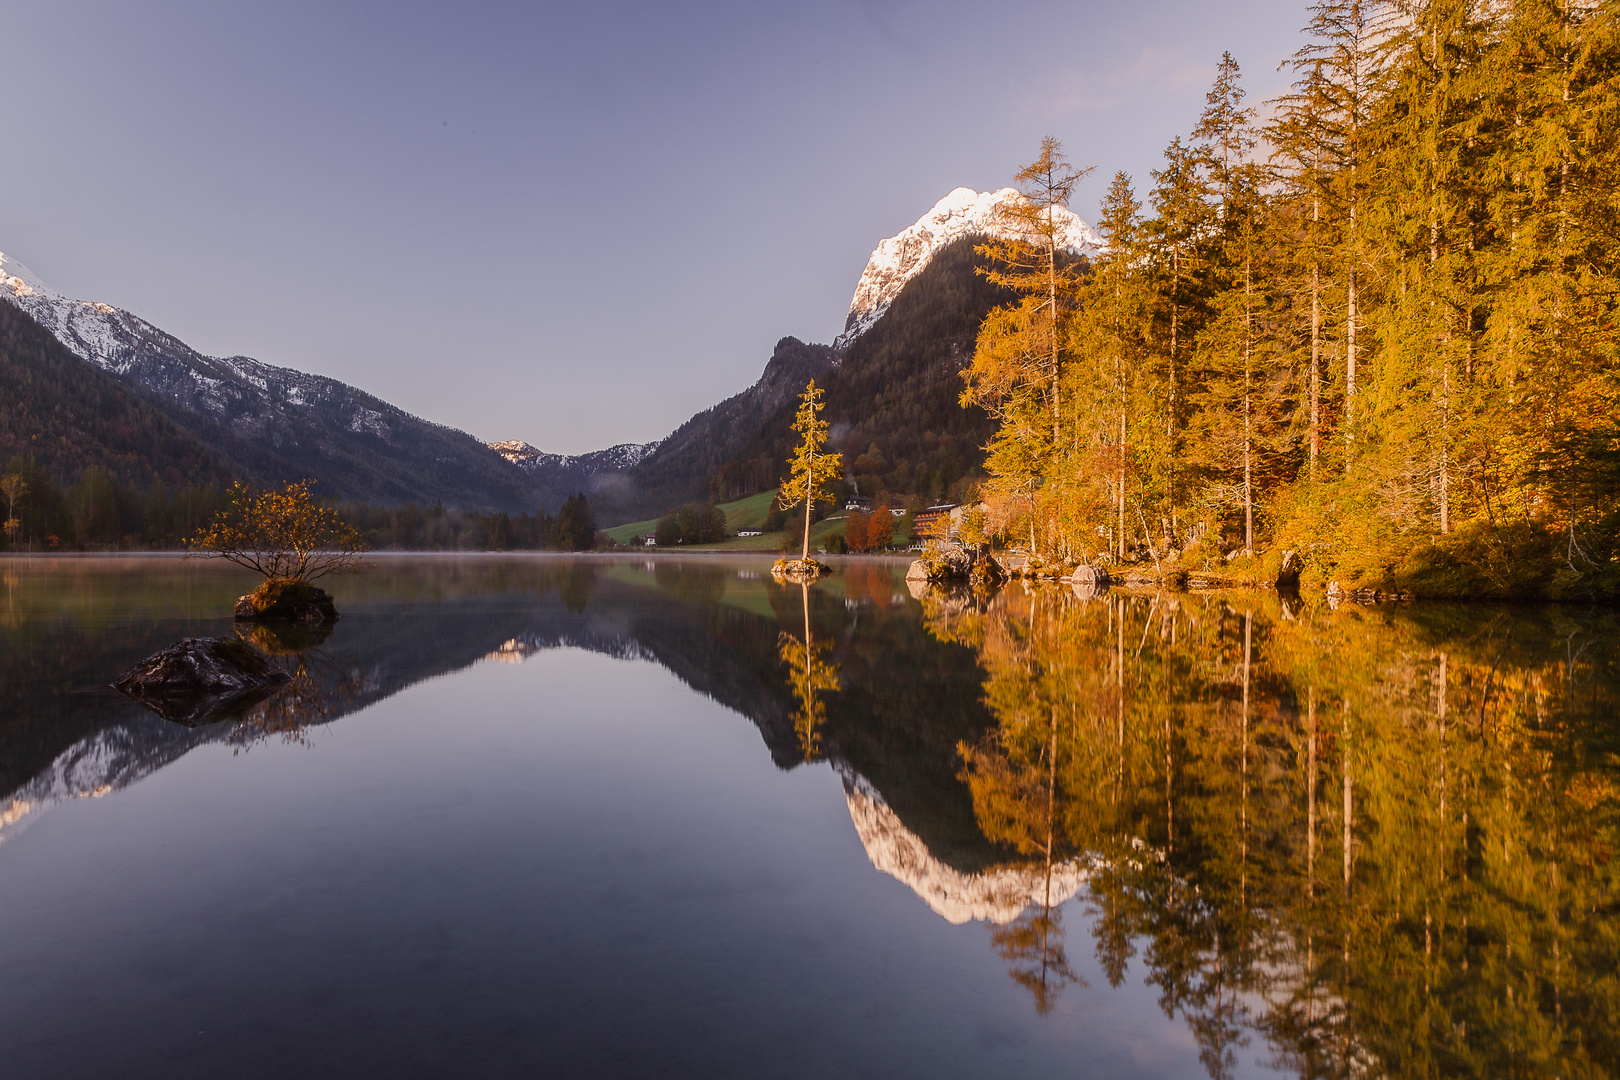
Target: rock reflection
{"points": [[1381, 840]]}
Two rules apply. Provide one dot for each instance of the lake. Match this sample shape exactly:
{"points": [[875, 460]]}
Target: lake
{"points": [[627, 816]]}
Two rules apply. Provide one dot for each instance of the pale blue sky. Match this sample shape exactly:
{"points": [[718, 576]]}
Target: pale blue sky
{"points": [[574, 224]]}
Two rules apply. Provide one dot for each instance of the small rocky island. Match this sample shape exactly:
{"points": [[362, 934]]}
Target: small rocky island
{"points": [[199, 681]]}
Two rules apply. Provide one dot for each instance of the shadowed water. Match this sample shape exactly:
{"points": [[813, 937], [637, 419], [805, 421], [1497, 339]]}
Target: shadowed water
{"points": [[619, 816]]}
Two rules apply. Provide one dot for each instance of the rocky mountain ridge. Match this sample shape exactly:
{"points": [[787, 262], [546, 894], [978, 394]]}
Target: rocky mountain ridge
{"points": [[357, 445]]}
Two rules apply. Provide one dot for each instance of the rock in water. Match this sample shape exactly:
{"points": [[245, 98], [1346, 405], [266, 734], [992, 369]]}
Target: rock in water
{"points": [[799, 569], [941, 563], [201, 680], [286, 599], [1093, 576]]}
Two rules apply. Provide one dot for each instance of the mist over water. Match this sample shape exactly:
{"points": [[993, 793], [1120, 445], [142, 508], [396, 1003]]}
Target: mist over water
{"points": [[629, 816]]}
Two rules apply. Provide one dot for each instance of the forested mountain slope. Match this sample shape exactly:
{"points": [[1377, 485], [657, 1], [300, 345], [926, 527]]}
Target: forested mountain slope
{"points": [[893, 400], [356, 445], [681, 467], [68, 415]]}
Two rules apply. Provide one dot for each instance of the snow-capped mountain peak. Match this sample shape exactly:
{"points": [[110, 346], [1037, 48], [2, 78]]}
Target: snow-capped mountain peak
{"points": [[964, 212], [613, 459]]}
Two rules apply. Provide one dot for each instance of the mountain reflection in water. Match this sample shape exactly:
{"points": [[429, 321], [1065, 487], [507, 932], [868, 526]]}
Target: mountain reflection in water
{"points": [[1376, 840]]}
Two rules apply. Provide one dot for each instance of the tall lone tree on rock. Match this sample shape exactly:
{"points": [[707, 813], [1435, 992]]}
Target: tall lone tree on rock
{"points": [[809, 468]]}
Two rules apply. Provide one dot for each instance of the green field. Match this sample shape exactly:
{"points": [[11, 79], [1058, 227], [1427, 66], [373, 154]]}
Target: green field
{"points": [[741, 514]]}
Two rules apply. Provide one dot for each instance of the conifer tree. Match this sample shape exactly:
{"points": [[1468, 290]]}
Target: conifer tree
{"points": [[810, 470], [1115, 306], [1178, 236], [1032, 264], [1339, 70], [1017, 370]]}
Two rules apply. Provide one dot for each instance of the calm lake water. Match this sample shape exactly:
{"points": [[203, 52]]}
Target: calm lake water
{"points": [[523, 816]]}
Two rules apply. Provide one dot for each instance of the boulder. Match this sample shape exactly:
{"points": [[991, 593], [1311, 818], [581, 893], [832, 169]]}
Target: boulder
{"points": [[941, 563], [286, 600], [202, 680], [1288, 572], [1088, 575]]}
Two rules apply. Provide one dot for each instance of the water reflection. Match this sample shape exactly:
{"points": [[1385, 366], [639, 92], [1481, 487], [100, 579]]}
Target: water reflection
{"points": [[1357, 840], [1380, 840], [810, 675]]}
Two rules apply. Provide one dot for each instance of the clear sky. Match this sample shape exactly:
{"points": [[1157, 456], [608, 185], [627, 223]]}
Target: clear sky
{"points": [[575, 224]]}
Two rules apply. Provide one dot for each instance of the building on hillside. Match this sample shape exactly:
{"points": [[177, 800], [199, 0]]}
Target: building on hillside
{"points": [[750, 532], [859, 503], [927, 519]]}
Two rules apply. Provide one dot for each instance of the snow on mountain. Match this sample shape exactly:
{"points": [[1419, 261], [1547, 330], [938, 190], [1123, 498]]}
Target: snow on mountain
{"points": [[357, 445], [613, 459], [127, 345], [999, 895], [964, 212]]}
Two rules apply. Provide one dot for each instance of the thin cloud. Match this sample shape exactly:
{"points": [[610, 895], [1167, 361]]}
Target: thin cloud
{"points": [[1153, 73]]}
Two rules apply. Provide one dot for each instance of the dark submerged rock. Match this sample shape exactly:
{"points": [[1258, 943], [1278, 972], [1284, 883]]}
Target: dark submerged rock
{"points": [[286, 599], [200, 681]]}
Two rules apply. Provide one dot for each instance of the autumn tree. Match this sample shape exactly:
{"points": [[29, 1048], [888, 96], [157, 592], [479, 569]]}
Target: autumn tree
{"points": [[810, 468], [14, 487], [1017, 370], [284, 535]]}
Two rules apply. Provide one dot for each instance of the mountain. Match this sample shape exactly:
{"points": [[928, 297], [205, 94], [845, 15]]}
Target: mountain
{"points": [[681, 468], [962, 213], [273, 421], [892, 377], [68, 415], [557, 476]]}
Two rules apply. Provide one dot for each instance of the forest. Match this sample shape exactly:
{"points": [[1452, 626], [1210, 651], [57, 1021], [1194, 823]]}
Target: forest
{"points": [[99, 513], [1371, 322]]}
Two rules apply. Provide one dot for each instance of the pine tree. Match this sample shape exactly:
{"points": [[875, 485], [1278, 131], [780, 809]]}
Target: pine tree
{"points": [[1032, 262]]}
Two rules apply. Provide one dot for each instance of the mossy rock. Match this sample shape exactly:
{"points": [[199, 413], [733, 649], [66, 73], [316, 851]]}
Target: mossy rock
{"points": [[799, 569], [287, 599]]}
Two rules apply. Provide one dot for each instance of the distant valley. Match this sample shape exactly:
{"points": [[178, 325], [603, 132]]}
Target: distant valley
{"points": [[146, 406]]}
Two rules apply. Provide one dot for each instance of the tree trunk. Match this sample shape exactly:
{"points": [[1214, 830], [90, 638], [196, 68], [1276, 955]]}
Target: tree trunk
{"points": [[1248, 411], [1316, 346], [809, 501]]}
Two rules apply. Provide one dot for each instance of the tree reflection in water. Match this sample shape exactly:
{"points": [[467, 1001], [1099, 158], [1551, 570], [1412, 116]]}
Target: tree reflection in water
{"points": [[322, 686], [1382, 839], [810, 675]]}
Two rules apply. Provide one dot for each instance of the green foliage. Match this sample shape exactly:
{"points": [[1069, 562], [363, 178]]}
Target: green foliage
{"points": [[694, 523], [576, 524]]}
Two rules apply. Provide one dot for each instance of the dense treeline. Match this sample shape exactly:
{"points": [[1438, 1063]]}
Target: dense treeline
{"points": [[1377, 328], [694, 523], [413, 528], [97, 513]]}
